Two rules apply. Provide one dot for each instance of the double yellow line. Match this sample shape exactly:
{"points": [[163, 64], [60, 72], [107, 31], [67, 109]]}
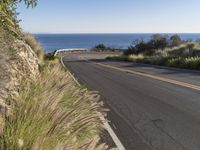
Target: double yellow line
{"points": [[171, 81]]}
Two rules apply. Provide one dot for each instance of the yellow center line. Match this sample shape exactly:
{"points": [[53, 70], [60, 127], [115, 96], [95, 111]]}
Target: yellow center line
{"points": [[175, 82]]}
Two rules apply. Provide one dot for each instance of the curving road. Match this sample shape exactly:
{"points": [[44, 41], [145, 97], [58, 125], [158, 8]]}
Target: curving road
{"points": [[151, 107]]}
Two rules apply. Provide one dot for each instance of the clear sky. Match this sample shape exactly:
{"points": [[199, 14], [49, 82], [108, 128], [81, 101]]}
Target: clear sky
{"points": [[112, 16]]}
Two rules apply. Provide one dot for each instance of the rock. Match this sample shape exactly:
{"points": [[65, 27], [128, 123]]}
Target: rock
{"points": [[17, 63]]}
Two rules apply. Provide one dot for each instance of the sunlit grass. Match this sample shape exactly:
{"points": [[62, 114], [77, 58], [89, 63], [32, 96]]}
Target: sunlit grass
{"points": [[34, 44], [179, 57], [179, 62], [51, 113]]}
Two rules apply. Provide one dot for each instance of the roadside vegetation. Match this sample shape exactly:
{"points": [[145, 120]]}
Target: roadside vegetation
{"points": [[104, 48], [49, 112], [163, 50], [52, 113], [34, 44]]}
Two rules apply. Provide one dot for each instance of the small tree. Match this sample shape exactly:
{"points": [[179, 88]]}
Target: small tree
{"points": [[175, 40], [142, 47], [159, 41], [138, 46]]}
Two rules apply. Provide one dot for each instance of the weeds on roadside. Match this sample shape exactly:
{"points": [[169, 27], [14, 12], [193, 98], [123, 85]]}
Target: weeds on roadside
{"points": [[178, 62]]}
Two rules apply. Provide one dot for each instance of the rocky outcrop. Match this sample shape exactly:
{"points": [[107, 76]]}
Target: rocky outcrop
{"points": [[17, 63]]}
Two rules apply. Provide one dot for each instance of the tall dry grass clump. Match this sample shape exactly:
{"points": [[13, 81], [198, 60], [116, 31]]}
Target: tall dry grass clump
{"points": [[51, 113], [34, 44]]}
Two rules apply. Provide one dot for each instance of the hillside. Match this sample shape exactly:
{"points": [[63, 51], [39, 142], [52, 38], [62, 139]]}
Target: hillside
{"points": [[41, 107]]}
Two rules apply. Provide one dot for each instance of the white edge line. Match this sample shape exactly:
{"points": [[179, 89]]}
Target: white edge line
{"points": [[105, 122]]}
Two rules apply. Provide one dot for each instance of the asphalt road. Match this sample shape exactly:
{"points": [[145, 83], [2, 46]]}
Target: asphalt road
{"points": [[146, 113]]}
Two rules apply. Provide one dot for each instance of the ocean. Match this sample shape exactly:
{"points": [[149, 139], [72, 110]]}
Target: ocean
{"points": [[52, 42]]}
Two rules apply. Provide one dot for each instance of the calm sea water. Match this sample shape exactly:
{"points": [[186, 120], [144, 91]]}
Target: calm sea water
{"points": [[52, 42]]}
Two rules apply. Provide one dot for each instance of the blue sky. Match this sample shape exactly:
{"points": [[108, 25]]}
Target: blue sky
{"points": [[112, 16]]}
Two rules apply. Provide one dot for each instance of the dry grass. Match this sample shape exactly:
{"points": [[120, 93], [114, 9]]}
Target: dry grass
{"points": [[52, 113], [34, 44], [179, 57], [177, 62], [135, 57]]}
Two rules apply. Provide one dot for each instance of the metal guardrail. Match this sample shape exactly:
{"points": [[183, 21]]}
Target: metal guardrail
{"points": [[70, 50]]}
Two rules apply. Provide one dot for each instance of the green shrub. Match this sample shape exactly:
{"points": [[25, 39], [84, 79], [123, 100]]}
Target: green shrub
{"points": [[159, 41], [131, 50], [175, 40]]}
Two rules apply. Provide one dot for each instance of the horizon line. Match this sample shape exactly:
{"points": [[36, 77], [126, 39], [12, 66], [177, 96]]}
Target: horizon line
{"points": [[115, 33]]}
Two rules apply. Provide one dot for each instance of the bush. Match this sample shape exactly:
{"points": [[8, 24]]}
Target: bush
{"points": [[130, 50], [158, 41], [99, 47], [102, 47], [175, 40], [140, 46]]}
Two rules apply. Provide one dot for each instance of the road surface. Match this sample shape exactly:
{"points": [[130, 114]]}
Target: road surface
{"points": [[151, 107]]}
